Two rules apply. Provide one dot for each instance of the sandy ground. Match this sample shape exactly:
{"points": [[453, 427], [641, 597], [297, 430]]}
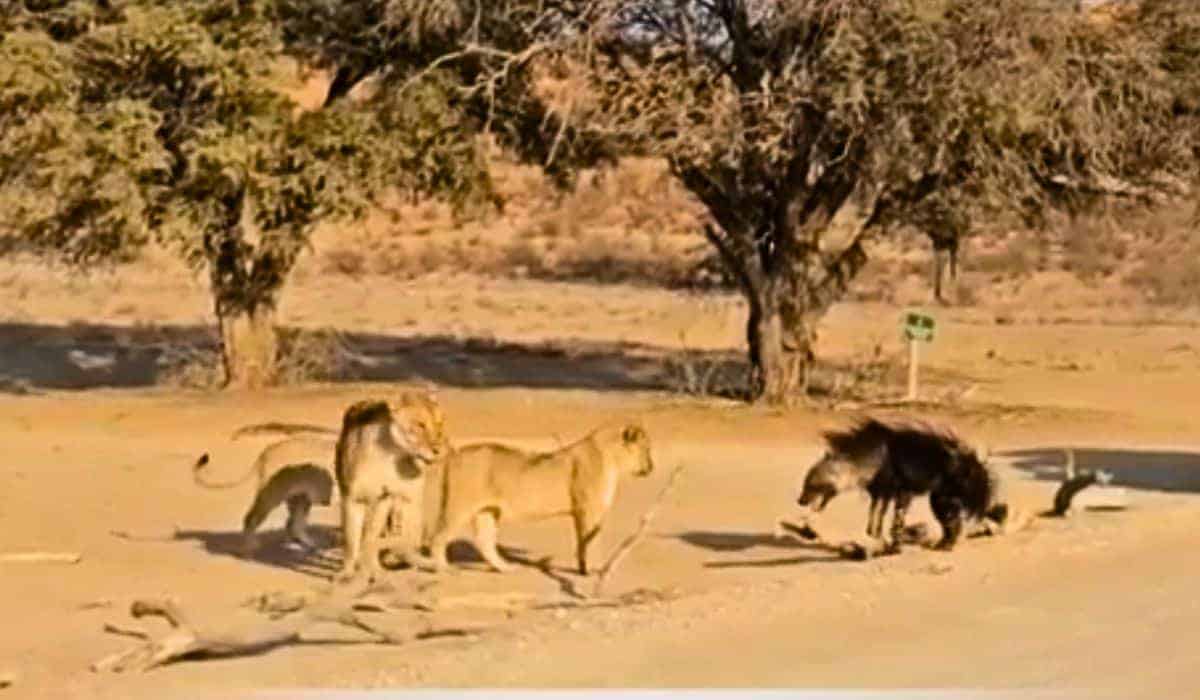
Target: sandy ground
{"points": [[1101, 602]]}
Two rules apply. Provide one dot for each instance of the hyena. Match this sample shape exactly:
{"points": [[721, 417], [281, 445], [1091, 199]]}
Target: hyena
{"points": [[896, 462]]}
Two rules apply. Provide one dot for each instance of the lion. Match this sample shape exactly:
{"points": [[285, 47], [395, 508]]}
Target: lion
{"points": [[300, 486], [297, 471], [382, 458], [485, 483]]}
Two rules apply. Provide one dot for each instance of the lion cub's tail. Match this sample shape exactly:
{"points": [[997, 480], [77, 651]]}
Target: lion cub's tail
{"points": [[199, 478], [285, 428]]}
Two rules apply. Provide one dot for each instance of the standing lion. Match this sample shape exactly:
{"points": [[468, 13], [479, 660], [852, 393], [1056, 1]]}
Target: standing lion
{"points": [[382, 458], [485, 484]]}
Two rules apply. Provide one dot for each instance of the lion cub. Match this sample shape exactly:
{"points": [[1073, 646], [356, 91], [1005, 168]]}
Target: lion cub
{"points": [[381, 459], [296, 471], [486, 483]]}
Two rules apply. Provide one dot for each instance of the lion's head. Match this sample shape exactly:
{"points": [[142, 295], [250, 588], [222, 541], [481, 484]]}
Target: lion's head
{"points": [[420, 425], [635, 447]]}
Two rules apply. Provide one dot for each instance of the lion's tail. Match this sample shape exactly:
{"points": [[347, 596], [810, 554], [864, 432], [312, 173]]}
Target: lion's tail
{"points": [[276, 427], [199, 478]]}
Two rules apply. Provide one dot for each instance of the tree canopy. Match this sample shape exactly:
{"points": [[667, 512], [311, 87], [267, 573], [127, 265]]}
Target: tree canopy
{"points": [[780, 117], [127, 122]]}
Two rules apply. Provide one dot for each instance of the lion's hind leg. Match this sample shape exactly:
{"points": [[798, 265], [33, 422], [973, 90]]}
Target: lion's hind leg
{"points": [[259, 509], [487, 528], [299, 506], [449, 526]]}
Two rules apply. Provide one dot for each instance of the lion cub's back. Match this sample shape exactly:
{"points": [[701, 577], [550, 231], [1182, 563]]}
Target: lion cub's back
{"points": [[315, 451], [521, 483]]}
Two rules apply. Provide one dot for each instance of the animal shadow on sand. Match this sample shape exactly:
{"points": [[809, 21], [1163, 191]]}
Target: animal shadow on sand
{"points": [[715, 541], [1152, 470], [275, 550]]}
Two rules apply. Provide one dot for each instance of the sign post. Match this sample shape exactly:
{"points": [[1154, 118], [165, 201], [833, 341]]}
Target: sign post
{"points": [[918, 328]]}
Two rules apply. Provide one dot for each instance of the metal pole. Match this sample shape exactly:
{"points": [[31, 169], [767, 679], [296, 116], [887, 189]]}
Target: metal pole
{"points": [[913, 358]]}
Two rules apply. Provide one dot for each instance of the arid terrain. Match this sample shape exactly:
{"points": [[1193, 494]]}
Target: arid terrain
{"points": [[101, 426]]}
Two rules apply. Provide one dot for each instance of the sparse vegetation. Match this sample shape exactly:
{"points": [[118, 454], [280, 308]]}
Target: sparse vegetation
{"points": [[961, 107], [195, 148]]}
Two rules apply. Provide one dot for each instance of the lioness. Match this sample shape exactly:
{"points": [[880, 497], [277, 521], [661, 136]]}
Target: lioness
{"points": [[278, 482], [381, 459], [486, 483]]}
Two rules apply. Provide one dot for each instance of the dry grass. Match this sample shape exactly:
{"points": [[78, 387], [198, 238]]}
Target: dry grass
{"points": [[305, 356]]}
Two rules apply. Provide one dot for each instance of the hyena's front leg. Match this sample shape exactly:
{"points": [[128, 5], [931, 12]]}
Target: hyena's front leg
{"points": [[903, 499], [875, 527]]}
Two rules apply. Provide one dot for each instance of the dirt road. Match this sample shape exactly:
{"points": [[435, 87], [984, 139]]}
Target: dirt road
{"points": [[1101, 601]]}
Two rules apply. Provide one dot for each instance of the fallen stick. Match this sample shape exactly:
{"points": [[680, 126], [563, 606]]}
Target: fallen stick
{"points": [[852, 549], [40, 557], [125, 631], [7, 679], [236, 638], [630, 542], [1075, 481]]}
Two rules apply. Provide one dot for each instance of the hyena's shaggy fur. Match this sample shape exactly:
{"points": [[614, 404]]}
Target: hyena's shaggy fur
{"points": [[895, 462]]}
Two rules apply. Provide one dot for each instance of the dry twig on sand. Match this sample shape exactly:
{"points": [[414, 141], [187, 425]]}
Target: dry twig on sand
{"points": [[40, 557], [577, 598], [630, 542], [292, 618], [1074, 482]]}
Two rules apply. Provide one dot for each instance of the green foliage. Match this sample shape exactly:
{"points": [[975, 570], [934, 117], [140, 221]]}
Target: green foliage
{"points": [[153, 121]]}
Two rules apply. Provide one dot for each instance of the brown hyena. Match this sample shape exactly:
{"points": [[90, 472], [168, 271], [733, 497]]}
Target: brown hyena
{"points": [[851, 462], [896, 462]]}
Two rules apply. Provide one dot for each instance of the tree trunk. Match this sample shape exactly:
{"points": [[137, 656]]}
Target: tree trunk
{"points": [[777, 365], [941, 259], [945, 266], [248, 346]]}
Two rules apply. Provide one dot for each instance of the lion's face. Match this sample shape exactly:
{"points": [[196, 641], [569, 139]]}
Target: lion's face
{"points": [[637, 446], [418, 419]]}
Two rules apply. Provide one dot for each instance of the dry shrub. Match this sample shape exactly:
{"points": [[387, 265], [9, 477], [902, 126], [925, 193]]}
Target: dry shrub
{"points": [[304, 356], [1092, 250], [864, 377], [345, 261], [1014, 260], [1172, 279], [311, 356], [192, 366], [522, 257], [705, 374]]}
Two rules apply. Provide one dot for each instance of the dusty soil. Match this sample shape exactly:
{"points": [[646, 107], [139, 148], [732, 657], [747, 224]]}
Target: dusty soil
{"points": [[1101, 601]]}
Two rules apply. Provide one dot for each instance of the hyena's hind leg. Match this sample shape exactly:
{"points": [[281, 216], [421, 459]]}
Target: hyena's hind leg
{"points": [[880, 503], [903, 499], [882, 490], [948, 511]]}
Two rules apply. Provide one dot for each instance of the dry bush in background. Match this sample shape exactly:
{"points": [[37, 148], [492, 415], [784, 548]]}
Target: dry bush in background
{"points": [[305, 356]]}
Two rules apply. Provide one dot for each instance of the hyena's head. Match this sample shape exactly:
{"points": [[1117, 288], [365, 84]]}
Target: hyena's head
{"points": [[830, 475]]}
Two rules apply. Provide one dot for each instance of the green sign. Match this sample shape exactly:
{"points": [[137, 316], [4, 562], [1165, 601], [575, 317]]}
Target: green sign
{"points": [[918, 327]]}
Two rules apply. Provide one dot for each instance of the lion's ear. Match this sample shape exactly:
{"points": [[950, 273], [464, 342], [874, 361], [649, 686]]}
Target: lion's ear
{"points": [[632, 434]]}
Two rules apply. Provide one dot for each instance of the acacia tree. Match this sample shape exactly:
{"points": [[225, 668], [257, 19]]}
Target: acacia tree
{"points": [[781, 117], [126, 122]]}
